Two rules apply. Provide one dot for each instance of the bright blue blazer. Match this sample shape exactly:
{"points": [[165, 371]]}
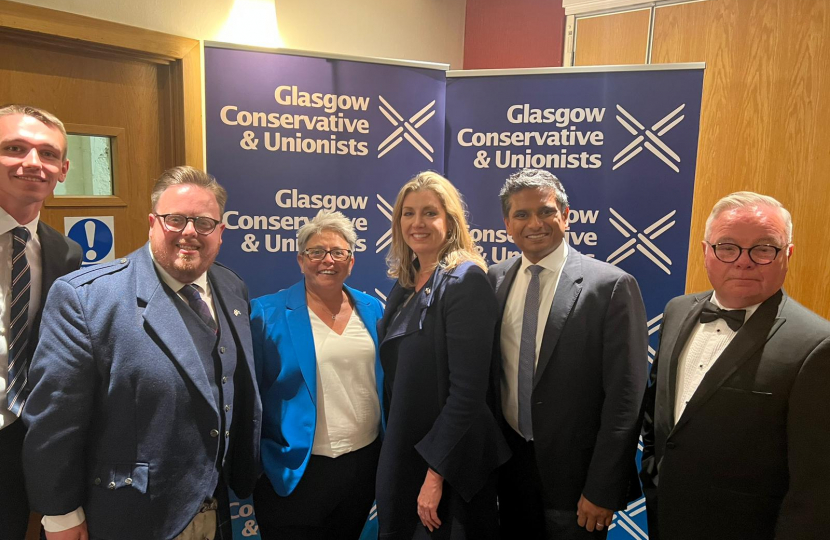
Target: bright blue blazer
{"points": [[286, 370]]}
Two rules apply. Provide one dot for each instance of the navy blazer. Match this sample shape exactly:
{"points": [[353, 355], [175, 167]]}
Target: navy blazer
{"points": [[286, 370], [589, 382], [444, 336], [119, 392]]}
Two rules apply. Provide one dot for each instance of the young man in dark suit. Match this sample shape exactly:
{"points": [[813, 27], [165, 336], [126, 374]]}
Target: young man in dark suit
{"points": [[570, 371], [736, 434], [32, 255]]}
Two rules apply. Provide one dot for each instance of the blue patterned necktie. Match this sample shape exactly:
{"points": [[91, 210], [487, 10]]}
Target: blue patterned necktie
{"points": [[527, 352], [191, 293], [16, 392]]}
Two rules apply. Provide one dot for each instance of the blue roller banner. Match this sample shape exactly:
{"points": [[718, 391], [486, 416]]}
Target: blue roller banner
{"points": [[289, 135], [624, 144]]}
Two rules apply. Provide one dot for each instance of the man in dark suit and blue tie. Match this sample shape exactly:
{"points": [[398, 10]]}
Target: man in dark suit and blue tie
{"points": [[32, 255], [736, 433], [569, 372], [143, 405]]}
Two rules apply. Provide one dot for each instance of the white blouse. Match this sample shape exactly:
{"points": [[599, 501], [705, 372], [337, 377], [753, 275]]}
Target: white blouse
{"points": [[348, 409]]}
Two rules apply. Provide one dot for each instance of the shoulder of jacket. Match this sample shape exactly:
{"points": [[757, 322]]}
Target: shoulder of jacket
{"points": [[88, 274], [220, 268]]}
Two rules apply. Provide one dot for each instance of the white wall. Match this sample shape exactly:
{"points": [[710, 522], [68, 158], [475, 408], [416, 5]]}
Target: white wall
{"points": [[428, 30]]}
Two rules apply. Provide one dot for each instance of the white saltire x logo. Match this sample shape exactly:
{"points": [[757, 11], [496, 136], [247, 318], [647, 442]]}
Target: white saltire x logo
{"points": [[406, 129], [385, 209], [646, 246], [653, 144]]}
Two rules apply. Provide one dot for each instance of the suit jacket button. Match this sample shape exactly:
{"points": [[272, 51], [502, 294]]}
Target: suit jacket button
{"points": [[214, 432], [97, 482], [221, 350], [128, 481], [671, 445], [111, 485]]}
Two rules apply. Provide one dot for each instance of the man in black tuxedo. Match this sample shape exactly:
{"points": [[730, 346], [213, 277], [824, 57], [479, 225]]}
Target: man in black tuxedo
{"points": [[736, 434], [569, 371], [32, 256]]}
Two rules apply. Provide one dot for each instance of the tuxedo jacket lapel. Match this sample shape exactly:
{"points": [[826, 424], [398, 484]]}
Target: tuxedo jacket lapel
{"points": [[754, 333]]}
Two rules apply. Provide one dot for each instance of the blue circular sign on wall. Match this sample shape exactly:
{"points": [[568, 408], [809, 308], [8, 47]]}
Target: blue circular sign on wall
{"points": [[95, 237]]}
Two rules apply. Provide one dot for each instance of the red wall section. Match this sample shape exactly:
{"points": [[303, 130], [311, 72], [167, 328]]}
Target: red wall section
{"points": [[513, 34]]}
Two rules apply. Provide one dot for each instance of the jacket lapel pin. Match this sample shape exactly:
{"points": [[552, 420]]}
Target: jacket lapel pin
{"points": [[426, 290], [237, 312]]}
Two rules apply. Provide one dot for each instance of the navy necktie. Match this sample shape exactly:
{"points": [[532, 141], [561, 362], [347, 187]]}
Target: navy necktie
{"points": [[527, 352], [191, 293], [733, 317], [16, 391]]}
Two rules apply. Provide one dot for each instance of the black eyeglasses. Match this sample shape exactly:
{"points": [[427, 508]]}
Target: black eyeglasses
{"points": [[177, 223], [337, 254], [760, 254]]}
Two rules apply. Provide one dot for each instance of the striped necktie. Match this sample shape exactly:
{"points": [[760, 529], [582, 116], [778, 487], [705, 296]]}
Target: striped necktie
{"points": [[19, 322], [199, 305]]}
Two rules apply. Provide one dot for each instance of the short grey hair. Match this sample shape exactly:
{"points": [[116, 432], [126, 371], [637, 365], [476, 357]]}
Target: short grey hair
{"points": [[532, 179], [44, 117], [749, 199], [326, 220], [184, 174]]}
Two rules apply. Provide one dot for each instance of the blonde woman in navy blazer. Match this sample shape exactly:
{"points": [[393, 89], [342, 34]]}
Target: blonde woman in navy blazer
{"points": [[315, 350]]}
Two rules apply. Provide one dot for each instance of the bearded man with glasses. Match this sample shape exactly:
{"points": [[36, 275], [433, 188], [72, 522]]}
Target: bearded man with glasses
{"points": [[735, 432], [144, 407]]}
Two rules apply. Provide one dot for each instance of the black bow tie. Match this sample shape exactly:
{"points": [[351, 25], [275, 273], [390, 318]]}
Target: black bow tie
{"points": [[733, 317]]}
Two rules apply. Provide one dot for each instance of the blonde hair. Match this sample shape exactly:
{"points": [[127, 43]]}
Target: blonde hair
{"points": [[750, 199], [459, 246]]}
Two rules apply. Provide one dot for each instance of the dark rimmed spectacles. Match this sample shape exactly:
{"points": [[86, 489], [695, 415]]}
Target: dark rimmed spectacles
{"points": [[337, 254], [760, 254], [178, 222]]}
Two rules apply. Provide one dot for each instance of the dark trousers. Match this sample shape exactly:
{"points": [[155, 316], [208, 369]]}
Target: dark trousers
{"points": [[522, 503], [331, 501], [14, 507]]}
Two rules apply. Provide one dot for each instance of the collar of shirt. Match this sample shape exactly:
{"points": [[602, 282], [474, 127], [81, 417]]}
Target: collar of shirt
{"points": [[175, 284], [7, 223], [749, 309], [553, 261]]}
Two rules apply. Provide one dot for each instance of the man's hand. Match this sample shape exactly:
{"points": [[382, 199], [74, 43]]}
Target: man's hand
{"points": [[429, 498], [75, 533], [592, 516]]}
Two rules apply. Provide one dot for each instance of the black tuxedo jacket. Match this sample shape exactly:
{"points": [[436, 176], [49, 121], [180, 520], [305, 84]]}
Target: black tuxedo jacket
{"points": [[749, 456], [588, 383]]}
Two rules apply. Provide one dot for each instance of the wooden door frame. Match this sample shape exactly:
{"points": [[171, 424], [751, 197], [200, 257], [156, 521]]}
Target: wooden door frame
{"points": [[80, 33]]}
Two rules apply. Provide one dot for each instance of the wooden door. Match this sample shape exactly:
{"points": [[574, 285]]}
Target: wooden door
{"points": [[97, 95], [138, 87]]}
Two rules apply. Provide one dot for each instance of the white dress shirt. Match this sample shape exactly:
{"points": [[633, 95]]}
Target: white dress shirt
{"points": [[705, 345], [511, 325], [348, 409], [76, 517], [7, 223]]}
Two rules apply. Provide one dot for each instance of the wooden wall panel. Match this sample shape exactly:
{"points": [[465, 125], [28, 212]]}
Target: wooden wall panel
{"points": [[616, 39], [515, 34], [765, 118]]}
